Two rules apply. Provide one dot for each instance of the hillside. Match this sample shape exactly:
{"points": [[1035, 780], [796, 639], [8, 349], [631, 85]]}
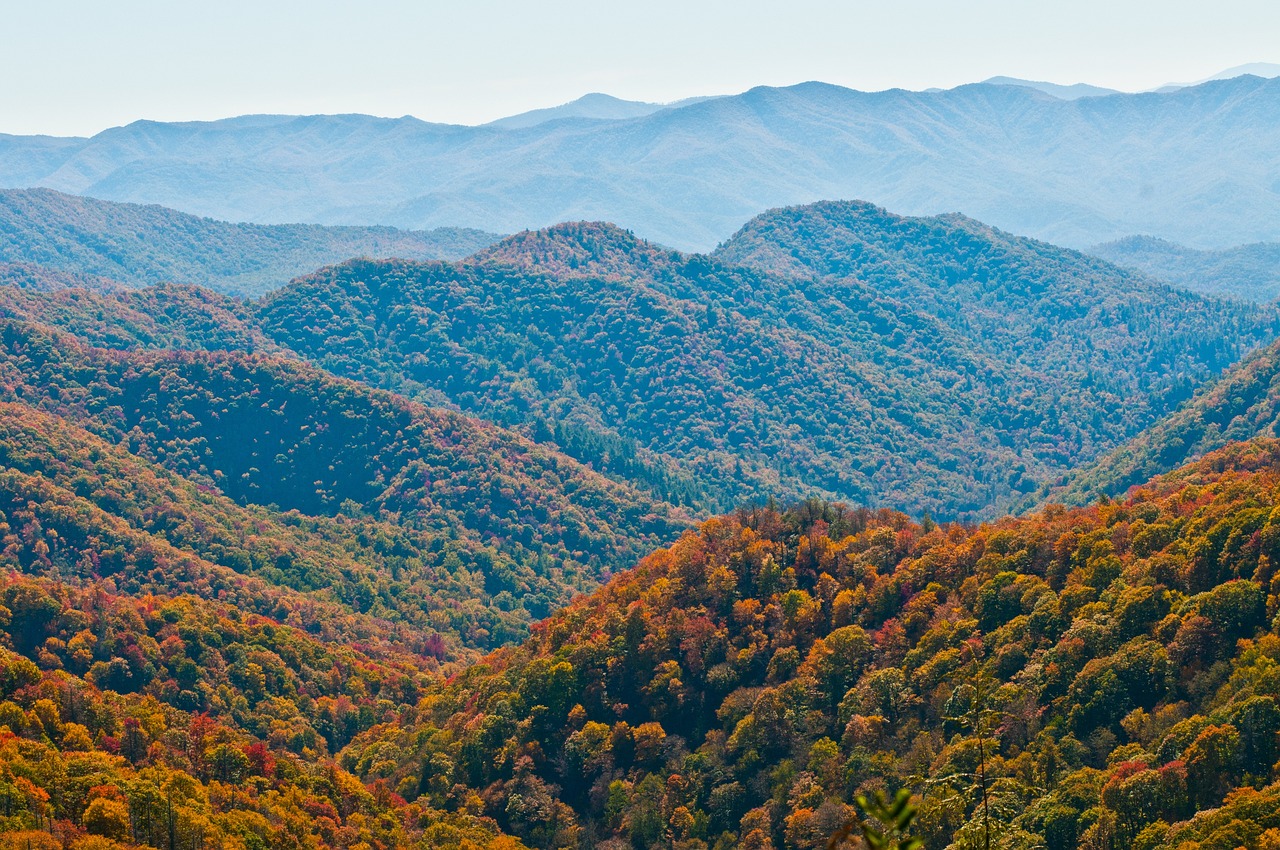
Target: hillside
{"points": [[969, 378], [166, 316], [978, 365], [245, 603], [1076, 172], [688, 385], [1241, 405], [1099, 677], [1251, 272], [140, 245], [45, 279], [351, 577], [179, 671], [641, 381], [272, 432], [1054, 310], [104, 749]]}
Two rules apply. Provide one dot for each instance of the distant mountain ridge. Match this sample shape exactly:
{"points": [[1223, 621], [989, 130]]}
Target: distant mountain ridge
{"points": [[92, 243], [1241, 405], [1030, 163], [1245, 271], [1062, 92], [593, 106], [1267, 70]]}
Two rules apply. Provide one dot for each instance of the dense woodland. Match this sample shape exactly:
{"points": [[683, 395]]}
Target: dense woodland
{"points": [[1105, 672], [1249, 272], [271, 571], [1085, 322], [1243, 403], [23, 275], [788, 384], [170, 721], [274, 433], [166, 316], [709, 385], [135, 245]]}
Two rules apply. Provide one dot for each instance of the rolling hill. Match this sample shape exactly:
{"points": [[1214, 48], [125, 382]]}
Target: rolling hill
{"points": [[87, 239], [932, 364], [1076, 172], [951, 377], [275, 433], [1019, 300], [1250, 272], [160, 645], [1100, 677], [1241, 405]]}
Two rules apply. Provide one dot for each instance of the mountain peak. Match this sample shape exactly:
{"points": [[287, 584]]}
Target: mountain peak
{"points": [[591, 106], [582, 248], [756, 242], [1263, 70], [1074, 91]]}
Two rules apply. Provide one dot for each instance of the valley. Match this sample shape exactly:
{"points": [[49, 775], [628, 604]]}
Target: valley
{"points": [[568, 539]]}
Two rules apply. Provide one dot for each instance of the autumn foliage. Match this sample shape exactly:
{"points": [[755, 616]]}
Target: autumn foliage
{"points": [[1113, 667]]}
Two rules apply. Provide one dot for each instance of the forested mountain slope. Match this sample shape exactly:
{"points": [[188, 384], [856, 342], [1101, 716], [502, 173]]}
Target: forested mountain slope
{"points": [[352, 576], [140, 245], [1251, 272], [103, 749], [219, 564], [167, 316], [929, 364], [1078, 172], [44, 279], [268, 431], [953, 377], [1106, 674], [179, 671], [1057, 311], [1242, 404], [619, 367], [243, 602]]}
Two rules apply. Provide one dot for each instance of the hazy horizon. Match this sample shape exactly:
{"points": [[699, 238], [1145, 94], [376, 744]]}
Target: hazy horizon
{"points": [[77, 68]]}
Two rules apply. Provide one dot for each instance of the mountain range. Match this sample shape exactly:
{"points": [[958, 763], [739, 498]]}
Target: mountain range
{"points": [[977, 365], [425, 554], [139, 245], [1062, 92], [1077, 172], [1245, 271], [595, 105], [1268, 70]]}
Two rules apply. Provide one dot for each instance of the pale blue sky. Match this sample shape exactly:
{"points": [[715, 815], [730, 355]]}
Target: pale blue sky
{"points": [[78, 66]]}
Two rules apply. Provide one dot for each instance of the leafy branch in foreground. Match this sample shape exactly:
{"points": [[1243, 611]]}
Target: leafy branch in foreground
{"points": [[885, 826]]}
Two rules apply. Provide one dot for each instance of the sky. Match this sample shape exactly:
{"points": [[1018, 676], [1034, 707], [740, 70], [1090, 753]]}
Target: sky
{"points": [[75, 67]]}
